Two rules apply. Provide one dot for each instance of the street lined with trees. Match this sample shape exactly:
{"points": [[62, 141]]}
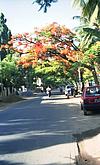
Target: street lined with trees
{"points": [[51, 53], [43, 129]]}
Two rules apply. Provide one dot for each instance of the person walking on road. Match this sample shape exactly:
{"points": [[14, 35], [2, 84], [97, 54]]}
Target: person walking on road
{"points": [[48, 91]]}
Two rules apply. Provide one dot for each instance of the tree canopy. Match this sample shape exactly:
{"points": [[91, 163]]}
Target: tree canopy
{"points": [[51, 42], [5, 36]]}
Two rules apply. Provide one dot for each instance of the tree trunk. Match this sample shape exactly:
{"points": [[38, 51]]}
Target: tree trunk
{"points": [[95, 76], [93, 70]]}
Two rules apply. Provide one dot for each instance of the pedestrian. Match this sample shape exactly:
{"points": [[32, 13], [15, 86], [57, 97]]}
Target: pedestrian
{"points": [[48, 90]]}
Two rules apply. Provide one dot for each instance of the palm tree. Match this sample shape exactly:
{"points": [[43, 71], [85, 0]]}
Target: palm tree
{"points": [[88, 34], [89, 28], [44, 4], [90, 9]]}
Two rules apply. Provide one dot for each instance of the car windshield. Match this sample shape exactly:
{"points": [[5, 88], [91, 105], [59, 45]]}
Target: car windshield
{"points": [[93, 91]]}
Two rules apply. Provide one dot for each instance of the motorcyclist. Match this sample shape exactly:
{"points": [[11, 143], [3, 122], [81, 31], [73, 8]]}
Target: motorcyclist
{"points": [[68, 90]]}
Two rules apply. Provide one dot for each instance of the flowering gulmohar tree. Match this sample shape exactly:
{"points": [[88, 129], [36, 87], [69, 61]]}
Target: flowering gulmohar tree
{"points": [[53, 42]]}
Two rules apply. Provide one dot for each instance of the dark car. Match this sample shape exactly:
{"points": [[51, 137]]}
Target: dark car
{"points": [[90, 99]]}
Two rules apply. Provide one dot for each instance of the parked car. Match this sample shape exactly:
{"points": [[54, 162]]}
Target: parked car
{"points": [[90, 99]]}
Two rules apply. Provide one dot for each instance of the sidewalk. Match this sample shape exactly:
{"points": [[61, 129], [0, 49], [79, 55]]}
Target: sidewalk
{"points": [[89, 148]]}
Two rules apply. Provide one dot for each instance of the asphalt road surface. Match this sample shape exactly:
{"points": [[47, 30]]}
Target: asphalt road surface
{"points": [[39, 130]]}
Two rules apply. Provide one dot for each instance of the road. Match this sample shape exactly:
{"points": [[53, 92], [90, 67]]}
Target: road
{"points": [[39, 130]]}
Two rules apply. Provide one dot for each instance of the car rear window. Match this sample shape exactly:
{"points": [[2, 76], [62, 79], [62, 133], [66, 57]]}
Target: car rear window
{"points": [[93, 91]]}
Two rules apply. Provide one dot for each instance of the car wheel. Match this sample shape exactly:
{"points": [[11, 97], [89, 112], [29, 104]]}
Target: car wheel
{"points": [[85, 111]]}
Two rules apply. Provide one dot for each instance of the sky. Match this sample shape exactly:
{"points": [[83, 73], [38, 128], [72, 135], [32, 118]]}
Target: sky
{"points": [[22, 16]]}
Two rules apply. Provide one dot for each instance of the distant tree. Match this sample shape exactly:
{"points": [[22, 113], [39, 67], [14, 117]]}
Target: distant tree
{"points": [[51, 72], [12, 76], [5, 36]]}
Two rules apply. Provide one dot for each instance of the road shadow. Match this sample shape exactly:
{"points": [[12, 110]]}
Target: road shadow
{"points": [[3, 162], [31, 125], [87, 134]]}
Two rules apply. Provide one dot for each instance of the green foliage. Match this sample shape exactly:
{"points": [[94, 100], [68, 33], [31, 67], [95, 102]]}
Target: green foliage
{"points": [[44, 4], [89, 30], [93, 54], [10, 74], [87, 75], [72, 74], [5, 35], [51, 73], [46, 34], [90, 9]]}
